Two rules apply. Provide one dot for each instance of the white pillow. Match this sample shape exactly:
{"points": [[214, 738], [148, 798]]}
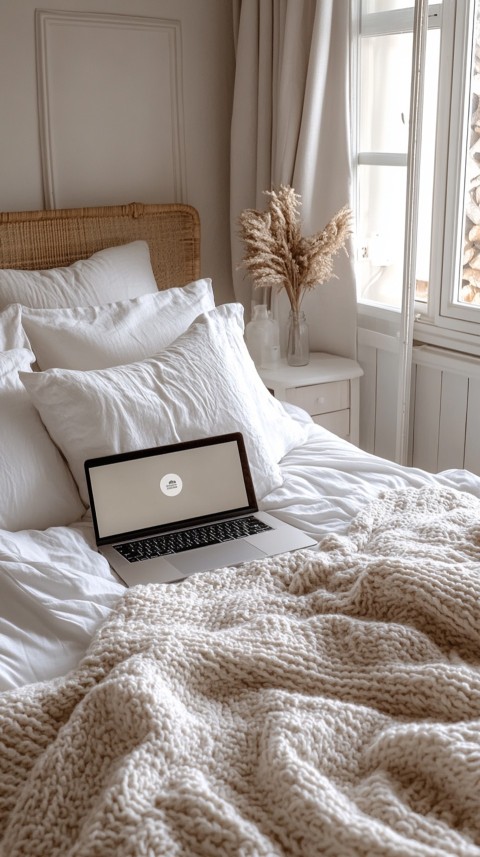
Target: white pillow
{"points": [[37, 489], [98, 337], [114, 274], [204, 384], [12, 334]]}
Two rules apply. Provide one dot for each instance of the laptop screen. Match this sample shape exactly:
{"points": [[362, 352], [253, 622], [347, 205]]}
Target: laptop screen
{"points": [[169, 486]]}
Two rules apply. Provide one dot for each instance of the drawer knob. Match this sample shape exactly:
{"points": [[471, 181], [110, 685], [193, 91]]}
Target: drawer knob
{"points": [[320, 400]]}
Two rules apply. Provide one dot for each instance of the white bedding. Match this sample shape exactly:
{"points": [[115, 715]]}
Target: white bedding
{"points": [[55, 589], [327, 481], [311, 704]]}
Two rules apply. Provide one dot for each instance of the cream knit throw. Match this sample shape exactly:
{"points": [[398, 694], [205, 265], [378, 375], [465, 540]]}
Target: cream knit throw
{"points": [[313, 704]]}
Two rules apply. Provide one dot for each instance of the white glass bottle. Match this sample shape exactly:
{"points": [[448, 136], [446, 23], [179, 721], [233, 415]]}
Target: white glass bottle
{"points": [[261, 337]]}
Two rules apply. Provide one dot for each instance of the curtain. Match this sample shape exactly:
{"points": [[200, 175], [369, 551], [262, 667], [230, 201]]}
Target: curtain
{"points": [[290, 125]]}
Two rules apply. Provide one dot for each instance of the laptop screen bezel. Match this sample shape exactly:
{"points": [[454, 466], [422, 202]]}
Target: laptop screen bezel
{"points": [[252, 505]]}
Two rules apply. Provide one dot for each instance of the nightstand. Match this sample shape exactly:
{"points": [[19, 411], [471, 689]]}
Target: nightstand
{"points": [[328, 388]]}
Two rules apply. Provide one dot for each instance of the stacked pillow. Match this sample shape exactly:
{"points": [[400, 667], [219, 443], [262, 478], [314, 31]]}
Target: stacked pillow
{"points": [[38, 490], [146, 370], [204, 383], [96, 337], [117, 273]]}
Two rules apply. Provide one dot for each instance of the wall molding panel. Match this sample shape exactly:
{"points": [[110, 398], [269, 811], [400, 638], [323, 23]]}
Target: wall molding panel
{"points": [[110, 102]]}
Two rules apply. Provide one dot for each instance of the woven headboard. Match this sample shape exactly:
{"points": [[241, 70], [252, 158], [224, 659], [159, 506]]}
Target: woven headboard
{"points": [[36, 240]]}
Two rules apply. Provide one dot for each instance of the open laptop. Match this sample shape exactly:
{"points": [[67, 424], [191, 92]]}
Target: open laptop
{"points": [[162, 514]]}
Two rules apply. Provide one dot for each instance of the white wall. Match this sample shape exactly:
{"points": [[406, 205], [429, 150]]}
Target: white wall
{"points": [[166, 136]]}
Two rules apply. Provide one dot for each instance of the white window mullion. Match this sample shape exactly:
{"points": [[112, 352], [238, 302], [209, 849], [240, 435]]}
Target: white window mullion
{"points": [[411, 227], [383, 159], [387, 23], [398, 21]]}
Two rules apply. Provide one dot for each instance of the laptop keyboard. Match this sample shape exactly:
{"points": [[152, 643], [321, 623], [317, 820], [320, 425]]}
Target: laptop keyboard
{"points": [[184, 540]]}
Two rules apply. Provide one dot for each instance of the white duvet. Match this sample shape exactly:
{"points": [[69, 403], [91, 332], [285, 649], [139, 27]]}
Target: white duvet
{"points": [[55, 589]]}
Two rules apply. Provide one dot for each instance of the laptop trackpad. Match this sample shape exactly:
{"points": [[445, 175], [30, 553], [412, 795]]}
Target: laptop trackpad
{"points": [[205, 559]]}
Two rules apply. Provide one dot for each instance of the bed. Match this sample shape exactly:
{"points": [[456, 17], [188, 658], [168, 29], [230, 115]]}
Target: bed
{"points": [[325, 701]]}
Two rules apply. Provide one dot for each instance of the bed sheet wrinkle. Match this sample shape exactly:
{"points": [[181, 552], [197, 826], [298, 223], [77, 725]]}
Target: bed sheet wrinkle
{"points": [[328, 481], [55, 590]]}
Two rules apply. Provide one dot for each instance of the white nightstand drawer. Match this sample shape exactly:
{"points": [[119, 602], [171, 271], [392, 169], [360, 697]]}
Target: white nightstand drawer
{"points": [[338, 422], [321, 398], [328, 388]]}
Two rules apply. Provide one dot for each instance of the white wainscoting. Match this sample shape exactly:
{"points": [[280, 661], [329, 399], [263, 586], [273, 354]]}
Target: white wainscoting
{"points": [[446, 410], [378, 355], [444, 404], [111, 108]]}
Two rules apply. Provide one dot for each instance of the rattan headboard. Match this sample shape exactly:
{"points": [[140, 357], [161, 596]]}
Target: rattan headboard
{"points": [[36, 240]]}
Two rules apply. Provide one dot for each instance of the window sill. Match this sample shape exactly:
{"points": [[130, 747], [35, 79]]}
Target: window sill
{"points": [[431, 334], [425, 331]]}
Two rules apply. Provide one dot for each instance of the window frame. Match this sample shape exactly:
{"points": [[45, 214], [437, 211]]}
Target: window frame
{"points": [[442, 320]]}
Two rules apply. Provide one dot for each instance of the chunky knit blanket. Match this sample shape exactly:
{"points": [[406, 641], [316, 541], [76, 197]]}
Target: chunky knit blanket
{"points": [[319, 703]]}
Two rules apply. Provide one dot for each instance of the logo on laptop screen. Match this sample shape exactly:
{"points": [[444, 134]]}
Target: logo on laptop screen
{"points": [[171, 484]]}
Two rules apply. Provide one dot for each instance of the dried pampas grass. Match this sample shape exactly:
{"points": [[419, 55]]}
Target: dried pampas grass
{"points": [[277, 255]]}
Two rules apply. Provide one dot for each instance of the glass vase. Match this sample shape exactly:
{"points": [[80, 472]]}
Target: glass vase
{"points": [[298, 352]]}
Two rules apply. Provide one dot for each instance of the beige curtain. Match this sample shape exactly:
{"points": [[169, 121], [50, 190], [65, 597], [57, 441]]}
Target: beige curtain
{"points": [[290, 125]]}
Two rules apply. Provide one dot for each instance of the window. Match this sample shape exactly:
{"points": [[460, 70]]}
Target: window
{"points": [[447, 283], [462, 196]]}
